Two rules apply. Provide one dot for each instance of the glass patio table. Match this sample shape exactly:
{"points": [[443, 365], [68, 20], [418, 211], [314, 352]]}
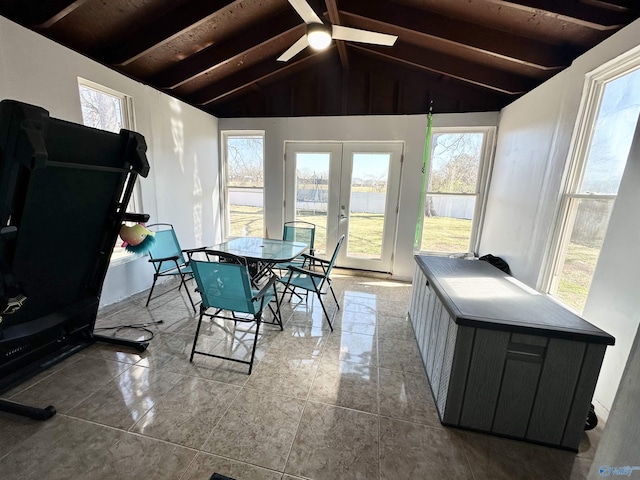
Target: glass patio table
{"points": [[265, 252]]}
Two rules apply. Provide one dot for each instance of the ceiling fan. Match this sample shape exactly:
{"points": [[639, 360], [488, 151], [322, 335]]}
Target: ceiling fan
{"points": [[319, 34]]}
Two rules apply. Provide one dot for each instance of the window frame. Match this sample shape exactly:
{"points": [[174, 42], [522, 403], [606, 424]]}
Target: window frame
{"points": [[224, 205], [575, 168], [128, 123], [482, 186]]}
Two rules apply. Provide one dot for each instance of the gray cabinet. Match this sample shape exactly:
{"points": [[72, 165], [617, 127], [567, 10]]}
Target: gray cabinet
{"points": [[502, 358]]}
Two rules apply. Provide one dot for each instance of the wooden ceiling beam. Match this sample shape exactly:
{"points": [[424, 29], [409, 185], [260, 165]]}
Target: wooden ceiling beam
{"points": [[286, 25], [334, 18], [571, 11], [468, 72], [174, 23], [266, 70], [438, 32], [622, 6], [41, 14]]}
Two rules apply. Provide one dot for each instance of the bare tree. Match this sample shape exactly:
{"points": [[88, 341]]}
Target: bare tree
{"points": [[454, 163], [101, 110], [245, 161]]}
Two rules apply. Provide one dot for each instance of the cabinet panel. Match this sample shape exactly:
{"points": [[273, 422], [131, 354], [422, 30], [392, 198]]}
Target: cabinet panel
{"points": [[485, 375], [556, 390], [516, 397], [459, 373], [584, 393], [447, 364]]}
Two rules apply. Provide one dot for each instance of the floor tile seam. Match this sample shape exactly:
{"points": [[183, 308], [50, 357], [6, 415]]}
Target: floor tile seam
{"points": [[440, 427], [16, 446], [227, 457], [199, 377], [77, 356], [421, 424], [467, 457], [295, 436], [30, 386], [226, 410], [343, 407], [129, 432], [348, 361], [262, 390], [379, 426], [192, 462], [98, 388], [130, 429], [286, 462]]}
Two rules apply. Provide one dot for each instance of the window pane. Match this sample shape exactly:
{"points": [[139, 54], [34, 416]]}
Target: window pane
{"points": [[455, 161], [612, 135], [245, 182], [447, 223], [454, 169], [101, 110], [312, 187], [583, 249], [105, 111], [369, 175]]}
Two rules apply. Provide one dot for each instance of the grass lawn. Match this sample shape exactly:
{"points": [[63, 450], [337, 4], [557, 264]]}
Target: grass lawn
{"points": [[440, 234], [577, 273]]}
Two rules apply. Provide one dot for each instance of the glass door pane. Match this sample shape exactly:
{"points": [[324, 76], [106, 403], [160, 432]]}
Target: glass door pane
{"points": [[369, 177], [312, 189]]}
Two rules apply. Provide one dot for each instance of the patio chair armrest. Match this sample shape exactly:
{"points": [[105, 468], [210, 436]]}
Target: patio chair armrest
{"points": [[191, 251], [315, 259], [304, 271], [264, 289], [165, 259], [194, 250]]}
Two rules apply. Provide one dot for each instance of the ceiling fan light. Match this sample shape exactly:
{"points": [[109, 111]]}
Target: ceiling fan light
{"points": [[319, 36]]}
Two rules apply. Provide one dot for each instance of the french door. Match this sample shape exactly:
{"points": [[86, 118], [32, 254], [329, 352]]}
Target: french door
{"points": [[346, 188]]}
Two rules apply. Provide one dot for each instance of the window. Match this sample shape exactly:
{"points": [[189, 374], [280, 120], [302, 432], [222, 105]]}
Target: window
{"points": [[243, 165], [603, 139], [109, 110], [454, 198]]}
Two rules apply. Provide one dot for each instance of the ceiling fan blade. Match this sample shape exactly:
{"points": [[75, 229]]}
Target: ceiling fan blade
{"points": [[305, 11], [362, 36], [294, 49]]}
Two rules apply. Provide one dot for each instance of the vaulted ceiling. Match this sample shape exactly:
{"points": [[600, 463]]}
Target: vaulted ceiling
{"points": [[221, 56]]}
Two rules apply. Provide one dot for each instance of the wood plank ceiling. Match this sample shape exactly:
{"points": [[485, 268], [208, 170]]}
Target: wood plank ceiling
{"points": [[220, 55]]}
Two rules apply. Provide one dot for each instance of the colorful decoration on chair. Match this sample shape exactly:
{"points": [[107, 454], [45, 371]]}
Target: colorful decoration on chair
{"points": [[137, 239]]}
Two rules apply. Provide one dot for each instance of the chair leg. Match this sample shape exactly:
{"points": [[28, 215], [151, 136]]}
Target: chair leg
{"points": [[319, 295], [255, 342], [153, 285], [195, 340], [333, 293], [284, 293], [277, 313], [186, 289]]}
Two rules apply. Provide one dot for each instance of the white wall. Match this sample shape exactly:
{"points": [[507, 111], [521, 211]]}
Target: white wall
{"points": [[534, 137], [182, 187], [408, 128], [619, 446]]}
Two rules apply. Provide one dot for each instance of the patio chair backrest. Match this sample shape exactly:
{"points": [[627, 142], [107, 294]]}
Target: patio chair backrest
{"points": [[334, 256], [299, 231], [224, 284], [166, 245]]}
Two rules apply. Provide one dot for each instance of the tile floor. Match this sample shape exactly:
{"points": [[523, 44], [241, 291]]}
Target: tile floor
{"points": [[352, 404]]}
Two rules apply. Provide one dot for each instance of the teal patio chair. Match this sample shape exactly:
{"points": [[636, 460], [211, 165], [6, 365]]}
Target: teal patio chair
{"points": [[167, 258], [298, 231], [313, 280], [226, 291]]}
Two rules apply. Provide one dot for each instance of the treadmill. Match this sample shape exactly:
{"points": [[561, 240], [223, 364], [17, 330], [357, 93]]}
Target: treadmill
{"points": [[64, 189]]}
